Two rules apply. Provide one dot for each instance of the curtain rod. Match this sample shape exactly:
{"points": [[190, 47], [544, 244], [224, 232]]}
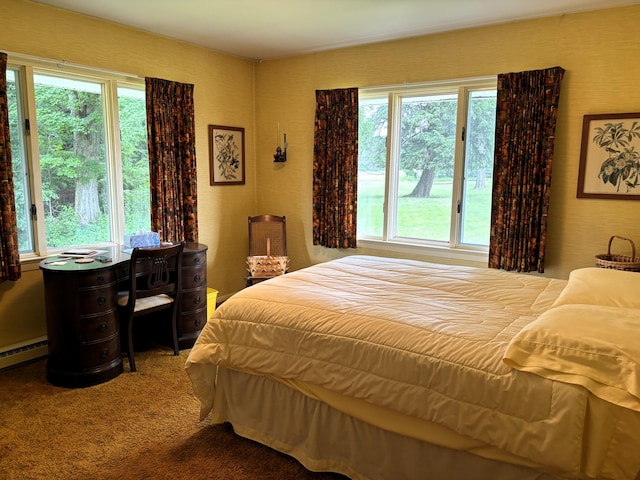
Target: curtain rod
{"points": [[431, 83], [41, 61]]}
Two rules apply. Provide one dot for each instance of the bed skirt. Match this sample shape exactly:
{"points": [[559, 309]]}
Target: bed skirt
{"points": [[327, 440]]}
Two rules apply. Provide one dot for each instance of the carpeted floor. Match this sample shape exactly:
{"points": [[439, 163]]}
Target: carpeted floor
{"points": [[141, 425]]}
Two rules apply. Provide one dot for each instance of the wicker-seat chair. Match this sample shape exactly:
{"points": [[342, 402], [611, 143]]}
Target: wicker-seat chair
{"points": [[267, 248]]}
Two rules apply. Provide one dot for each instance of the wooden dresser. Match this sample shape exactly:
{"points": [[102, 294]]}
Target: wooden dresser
{"points": [[82, 314]]}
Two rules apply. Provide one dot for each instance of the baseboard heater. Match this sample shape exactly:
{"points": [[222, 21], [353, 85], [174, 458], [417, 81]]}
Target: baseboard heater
{"points": [[21, 352]]}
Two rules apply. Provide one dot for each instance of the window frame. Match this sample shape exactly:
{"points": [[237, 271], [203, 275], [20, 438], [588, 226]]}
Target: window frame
{"points": [[25, 68], [454, 248]]}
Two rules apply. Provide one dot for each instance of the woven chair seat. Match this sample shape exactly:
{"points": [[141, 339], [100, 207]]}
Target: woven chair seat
{"points": [[144, 303]]}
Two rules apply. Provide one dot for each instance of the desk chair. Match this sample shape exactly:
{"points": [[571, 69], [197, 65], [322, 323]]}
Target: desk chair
{"points": [[154, 285], [267, 237]]}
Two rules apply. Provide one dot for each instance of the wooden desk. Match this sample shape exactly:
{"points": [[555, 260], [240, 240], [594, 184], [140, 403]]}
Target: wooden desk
{"points": [[82, 314]]}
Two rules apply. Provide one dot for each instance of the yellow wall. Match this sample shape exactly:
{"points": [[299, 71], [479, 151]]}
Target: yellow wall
{"points": [[223, 95], [598, 50]]}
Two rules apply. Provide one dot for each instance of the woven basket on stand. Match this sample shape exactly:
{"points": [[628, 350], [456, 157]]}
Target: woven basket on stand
{"points": [[267, 266], [619, 262]]}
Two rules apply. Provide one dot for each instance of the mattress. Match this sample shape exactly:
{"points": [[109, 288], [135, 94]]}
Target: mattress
{"points": [[421, 341]]}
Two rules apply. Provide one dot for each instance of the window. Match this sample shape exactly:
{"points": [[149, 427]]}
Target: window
{"points": [[426, 164], [79, 152], [19, 161]]}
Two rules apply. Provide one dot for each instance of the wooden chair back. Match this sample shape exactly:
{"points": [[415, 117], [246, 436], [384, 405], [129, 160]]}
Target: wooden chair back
{"points": [[267, 235], [154, 284]]}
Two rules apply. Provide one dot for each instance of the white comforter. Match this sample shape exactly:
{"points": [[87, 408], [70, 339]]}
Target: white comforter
{"points": [[424, 340]]}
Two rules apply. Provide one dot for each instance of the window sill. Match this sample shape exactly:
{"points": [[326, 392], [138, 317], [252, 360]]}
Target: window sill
{"points": [[430, 253], [30, 263]]}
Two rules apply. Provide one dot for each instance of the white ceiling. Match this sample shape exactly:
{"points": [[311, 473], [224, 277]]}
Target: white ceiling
{"points": [[264, 29]]}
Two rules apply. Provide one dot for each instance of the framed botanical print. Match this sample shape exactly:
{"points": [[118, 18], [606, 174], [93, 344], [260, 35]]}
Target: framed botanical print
{"points": [[226, 155], [610, 157]]}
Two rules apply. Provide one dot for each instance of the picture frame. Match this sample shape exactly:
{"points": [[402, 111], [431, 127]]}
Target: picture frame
{"points": [[610, 157], [226, 155]]}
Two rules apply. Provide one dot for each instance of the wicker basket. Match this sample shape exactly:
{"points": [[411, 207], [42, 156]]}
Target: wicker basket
{"points": [[619, 262], [267, 266]]}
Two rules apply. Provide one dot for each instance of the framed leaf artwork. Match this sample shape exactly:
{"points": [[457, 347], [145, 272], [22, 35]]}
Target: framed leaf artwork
{"points": [[226, 155], [610, 157]]}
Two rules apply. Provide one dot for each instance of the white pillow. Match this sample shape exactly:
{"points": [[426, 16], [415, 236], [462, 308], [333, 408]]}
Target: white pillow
{"points": [[594, 346], [601, 286]]}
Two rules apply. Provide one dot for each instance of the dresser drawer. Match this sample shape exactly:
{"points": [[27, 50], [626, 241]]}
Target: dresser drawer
{"points": [[194, 259], [98, 327], [194, 300], [97, 278], [192, 321], [98, 354], [194, 277], [97, 300]]}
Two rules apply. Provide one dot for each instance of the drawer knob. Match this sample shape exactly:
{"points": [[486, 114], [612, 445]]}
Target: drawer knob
{"points": [[102, 300], [104, 353], [196, 300], [102, 327], [100, 279], [196, 260], [196, 278], [197, 322]]}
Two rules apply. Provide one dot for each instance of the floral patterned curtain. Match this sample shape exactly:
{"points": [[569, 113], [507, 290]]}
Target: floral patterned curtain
{"points": [[527, 106], [9, 251], [172, 160], [335, 168]]}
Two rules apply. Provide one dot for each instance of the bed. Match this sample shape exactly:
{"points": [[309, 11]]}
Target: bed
{"points": [[380, 368]]}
